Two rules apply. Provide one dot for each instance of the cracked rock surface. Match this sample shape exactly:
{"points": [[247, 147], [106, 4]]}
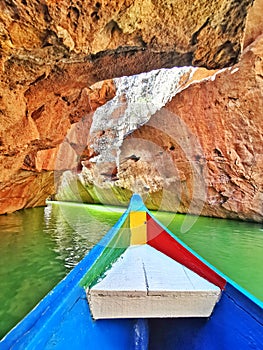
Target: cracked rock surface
{"points": [[200, 153], [53, 52]]}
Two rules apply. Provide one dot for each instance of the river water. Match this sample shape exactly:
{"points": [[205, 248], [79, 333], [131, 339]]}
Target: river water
{"points": [[39, 246]]}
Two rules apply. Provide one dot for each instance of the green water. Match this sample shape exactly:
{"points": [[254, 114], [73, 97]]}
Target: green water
{"points": [[233, 247], [38, 247]]}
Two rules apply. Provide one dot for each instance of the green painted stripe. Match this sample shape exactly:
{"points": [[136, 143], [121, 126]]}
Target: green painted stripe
{"points": [[117, 246]]}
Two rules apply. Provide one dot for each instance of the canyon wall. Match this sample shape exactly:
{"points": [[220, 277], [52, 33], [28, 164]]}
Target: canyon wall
{"points": [[31, 136], [219, 161], [52, 54], [225, 114], [200, 153]]}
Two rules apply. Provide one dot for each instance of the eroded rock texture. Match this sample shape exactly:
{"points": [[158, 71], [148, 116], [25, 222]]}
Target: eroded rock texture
{"points": [[137, 99], [31, 135], [52, 52], [213, 131], [201, 153], [170, 32], [226, 115]]}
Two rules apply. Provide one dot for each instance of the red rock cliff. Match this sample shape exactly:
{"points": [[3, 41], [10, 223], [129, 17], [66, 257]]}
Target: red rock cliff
{"points": [[201, 153], [51, 54]]}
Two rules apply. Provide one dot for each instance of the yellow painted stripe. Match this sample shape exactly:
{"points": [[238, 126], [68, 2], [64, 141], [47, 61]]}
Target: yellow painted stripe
{"points": [[138, 227]]}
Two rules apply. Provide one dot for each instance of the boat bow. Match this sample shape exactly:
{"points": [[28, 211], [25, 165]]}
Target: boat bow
{"points": [[143, 281]]}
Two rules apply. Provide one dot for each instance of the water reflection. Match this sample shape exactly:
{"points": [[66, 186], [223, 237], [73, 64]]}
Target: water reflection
{"points": [[89, 224], [39, 246]]}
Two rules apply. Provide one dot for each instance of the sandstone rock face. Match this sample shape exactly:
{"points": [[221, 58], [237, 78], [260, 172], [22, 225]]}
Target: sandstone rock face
{"points": [[201, 153], [30, 140], [137, 98], [254, 25], [175, 32], [26, 189], [226, 116], [51, 54]]}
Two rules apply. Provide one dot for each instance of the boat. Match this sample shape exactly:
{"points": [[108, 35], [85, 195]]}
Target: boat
{"points": [[142, 288]]}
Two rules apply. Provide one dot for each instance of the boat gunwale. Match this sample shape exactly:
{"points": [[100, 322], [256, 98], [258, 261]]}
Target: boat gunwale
{"points": [[221, 274], [52, 299]]}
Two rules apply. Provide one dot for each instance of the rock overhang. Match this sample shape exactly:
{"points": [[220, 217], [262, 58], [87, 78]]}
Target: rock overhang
{"points": [[51, 53]]}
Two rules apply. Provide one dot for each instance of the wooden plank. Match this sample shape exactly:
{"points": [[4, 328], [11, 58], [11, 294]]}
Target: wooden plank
{"points": [[138, 227], [125, 277], [163, 241], [166, 275], [143, 282]]}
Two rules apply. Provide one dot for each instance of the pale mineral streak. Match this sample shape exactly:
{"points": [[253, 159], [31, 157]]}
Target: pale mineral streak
{"points": [[137, 98], [210, 130], [53, 52]]}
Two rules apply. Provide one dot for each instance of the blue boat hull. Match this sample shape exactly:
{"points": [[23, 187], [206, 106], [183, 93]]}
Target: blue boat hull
{"points": [[236, 323], [62, 320]]}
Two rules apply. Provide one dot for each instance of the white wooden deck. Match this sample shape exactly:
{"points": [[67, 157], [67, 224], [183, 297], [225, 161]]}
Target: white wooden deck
{"points": [[144, 282]]}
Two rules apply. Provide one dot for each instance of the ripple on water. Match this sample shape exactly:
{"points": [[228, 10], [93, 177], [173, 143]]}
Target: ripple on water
{"points": [[39, 246]]}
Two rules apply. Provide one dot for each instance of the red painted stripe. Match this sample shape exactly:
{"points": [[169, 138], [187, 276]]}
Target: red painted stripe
{"points": [[161, 240]]}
